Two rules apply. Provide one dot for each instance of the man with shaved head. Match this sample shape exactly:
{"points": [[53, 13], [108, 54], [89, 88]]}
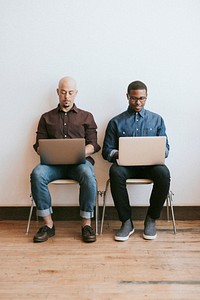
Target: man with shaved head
{"points": [[66, 121]]}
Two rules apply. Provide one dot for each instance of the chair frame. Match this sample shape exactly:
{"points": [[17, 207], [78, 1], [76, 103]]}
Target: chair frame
{"points": [[169, 200], [64, 182]]}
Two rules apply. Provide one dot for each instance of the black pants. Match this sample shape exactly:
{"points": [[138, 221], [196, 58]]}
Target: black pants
{"points": [[160, 176]]}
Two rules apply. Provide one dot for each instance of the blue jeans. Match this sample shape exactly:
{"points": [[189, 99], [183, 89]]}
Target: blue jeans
{"points": [[42, 175], [160, 176]]}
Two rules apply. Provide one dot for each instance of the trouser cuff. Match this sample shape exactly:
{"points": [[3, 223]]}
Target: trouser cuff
{"points": [[44, 212], [86, 214]]}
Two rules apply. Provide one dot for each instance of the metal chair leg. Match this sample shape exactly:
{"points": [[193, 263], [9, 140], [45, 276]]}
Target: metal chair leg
{"points": [[103, 211], [97, 212], [30, 215], [167, 205], [170, 197], [104, 205]]}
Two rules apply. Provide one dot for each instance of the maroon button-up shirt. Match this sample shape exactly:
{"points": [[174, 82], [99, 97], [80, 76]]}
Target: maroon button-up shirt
{"points": [[76, 123]]}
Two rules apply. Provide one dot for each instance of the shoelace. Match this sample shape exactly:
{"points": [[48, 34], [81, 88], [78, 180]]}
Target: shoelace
{"points": [[45, 229], [87, 229]]}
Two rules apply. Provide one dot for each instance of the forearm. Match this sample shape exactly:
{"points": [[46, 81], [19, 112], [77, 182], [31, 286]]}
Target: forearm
{"points": [[110, 144]]}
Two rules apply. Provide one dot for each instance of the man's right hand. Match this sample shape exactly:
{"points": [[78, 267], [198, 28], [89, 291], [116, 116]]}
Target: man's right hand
{"points": [[115, 156]]}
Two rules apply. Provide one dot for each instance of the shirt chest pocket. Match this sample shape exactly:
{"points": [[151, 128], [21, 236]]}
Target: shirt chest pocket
{"points": [[150, 131]]}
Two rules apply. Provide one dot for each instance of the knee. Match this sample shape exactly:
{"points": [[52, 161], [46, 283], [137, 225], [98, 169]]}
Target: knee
{"points": [[162, 173], [165, 172], [87, 174], [116, 173], [37, 173]]}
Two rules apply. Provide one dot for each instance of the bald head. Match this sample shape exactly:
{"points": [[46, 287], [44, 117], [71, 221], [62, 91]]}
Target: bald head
{"points": [[67, 91], [67, 81]]}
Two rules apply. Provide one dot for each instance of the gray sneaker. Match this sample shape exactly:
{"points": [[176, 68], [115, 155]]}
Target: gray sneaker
{"points": [[149, 228], [125, 231]]}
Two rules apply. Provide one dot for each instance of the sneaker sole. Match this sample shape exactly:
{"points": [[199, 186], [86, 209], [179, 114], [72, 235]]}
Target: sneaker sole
{"points": [[149, 237], [123, 238]]}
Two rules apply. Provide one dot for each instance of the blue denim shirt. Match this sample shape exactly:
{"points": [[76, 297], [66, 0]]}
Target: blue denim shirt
{"points": [[130, 123]]}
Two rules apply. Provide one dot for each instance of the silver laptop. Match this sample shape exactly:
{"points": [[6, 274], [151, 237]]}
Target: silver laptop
{"points": [[142, 151], [62, 151]]}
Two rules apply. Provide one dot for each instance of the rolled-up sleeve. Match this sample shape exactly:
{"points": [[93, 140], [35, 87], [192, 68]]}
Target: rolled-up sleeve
{"points": [[91, 133], [162, 132], [41, 132], [110, 144]]}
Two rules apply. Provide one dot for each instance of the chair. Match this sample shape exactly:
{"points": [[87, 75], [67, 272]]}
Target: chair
{"points": [[64, 182], [139, 181]]}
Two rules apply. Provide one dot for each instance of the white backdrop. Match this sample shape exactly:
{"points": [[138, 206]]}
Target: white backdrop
{"points": [[104, 45]]}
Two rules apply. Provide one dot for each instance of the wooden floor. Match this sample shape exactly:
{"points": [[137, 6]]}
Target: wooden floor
{"points": [[66, 268]]}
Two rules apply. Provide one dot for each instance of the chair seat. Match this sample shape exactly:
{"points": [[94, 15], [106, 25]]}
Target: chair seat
{"points": [[139, 181], [64, 181]]}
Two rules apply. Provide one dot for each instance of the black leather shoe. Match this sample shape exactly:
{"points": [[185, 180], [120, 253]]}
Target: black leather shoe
{"points": [[88, 234], [43, 234]]}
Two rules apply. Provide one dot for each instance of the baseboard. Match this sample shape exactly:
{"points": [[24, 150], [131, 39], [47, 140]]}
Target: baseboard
{"points": [[72, 213]]}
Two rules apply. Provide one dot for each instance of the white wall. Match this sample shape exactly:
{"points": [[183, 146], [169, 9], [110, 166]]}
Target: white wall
{"points": [[104, 45]]}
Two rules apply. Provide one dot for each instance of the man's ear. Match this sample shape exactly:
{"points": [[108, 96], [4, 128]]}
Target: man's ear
{"points": [[57, 90]]}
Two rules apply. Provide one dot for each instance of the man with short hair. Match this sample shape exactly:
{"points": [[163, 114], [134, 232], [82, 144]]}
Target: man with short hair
{"points": [[67, 122], [136, 121]]}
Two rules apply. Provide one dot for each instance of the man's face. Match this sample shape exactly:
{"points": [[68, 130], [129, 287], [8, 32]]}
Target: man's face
{"points": [[67, 92], [137, 99]]}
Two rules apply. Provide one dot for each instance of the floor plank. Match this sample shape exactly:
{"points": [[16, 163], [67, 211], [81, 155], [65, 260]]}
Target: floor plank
{"points": [[66, 268]]}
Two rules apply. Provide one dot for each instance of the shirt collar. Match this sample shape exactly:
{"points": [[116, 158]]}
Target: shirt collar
{"points": [[141, 113], [74, 108]]}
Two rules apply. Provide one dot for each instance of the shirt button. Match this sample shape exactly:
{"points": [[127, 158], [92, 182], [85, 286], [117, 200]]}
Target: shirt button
{"points": [[65, 124], [65, 136]]}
